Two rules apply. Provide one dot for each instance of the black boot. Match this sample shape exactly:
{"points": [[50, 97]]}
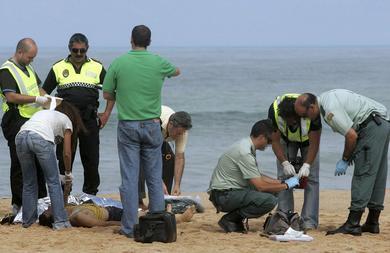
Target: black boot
{"points": [[351, 226], [232, 222], [372, 222]]}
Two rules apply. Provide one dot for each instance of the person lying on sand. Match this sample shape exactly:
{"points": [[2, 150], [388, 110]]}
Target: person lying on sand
{"points": [[91, 215]]}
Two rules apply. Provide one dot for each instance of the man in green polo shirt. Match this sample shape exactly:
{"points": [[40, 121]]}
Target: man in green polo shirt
{"points": [[238, 188], [134, 81], [365, 125]]}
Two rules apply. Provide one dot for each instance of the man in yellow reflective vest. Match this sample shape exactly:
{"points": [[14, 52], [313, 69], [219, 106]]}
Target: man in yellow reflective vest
{"points": [[292, 134], [77, 79], [22, 97]]}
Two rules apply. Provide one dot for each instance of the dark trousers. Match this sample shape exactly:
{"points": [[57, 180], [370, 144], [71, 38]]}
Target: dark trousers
{"points": [[89, 154], [248, 203], [168, 170], [11, 124]]}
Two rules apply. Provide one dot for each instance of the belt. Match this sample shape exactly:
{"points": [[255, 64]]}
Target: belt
{"points": [[372, 116], [224, 190]]}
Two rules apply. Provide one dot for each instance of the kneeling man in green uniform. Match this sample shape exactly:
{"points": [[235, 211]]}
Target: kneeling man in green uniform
{"points": [[238, 188]]}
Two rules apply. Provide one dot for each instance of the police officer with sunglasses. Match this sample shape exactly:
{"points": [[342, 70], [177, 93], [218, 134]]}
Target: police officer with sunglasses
{"points": [[77, 79]]}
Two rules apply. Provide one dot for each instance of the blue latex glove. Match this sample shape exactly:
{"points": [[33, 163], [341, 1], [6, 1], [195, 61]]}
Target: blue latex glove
{"points": [[292, 182], [341, 168]]}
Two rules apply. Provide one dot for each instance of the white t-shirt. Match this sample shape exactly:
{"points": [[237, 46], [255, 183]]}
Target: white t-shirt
{"points": [[51, 125], [180, 141]]}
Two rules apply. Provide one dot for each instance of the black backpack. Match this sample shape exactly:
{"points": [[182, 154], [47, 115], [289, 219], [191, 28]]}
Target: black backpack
{"points": [[278, 223], [156, 227]]}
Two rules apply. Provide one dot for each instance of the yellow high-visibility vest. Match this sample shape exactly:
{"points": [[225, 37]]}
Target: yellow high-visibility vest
{"points": [[66, 76], [301, 134], [27, 85]]}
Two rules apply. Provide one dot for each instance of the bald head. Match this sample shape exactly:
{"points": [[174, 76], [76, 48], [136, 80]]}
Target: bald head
{"points": [[25, 45], [306, 106], [26, 50]]}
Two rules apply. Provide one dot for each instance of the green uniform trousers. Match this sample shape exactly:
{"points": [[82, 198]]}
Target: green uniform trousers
{"points": [[370, 174], [249, 203]]}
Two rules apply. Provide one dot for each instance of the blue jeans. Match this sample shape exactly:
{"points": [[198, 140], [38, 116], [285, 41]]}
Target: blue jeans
{"points": [[29, 145], [139, 144], [310, 209]]}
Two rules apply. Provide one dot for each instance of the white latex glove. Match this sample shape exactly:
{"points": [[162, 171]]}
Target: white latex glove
{"points": [[68, 176], [63, 178], [288, 169], [41, 100], [304, 171]]}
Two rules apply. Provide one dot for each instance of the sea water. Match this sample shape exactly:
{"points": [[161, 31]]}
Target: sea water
{"points": [[226, 90]]}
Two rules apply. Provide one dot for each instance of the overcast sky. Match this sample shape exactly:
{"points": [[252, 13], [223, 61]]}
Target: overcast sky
{"points": [[199, 22]]}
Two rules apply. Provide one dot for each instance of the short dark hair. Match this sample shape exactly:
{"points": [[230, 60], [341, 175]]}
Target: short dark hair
{"points": [[311, 99], [79, 38], [262, 127], [141, 36], [286, 108], [181, 119], [46, 219]]}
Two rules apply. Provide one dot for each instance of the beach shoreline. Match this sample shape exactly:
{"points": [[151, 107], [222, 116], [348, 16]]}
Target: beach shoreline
{"points": [[203, 234]]}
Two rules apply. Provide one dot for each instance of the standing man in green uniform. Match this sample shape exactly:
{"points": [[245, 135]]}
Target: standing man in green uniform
{"points": [[21, 99], [237, 186], [292, 134], [77, 79], [365, 125]]}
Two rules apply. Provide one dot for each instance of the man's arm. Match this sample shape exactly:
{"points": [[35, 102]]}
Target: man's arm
{"points": [[314, 144], [177, 72], [179, 168], [264, 185], [108, 96], [107, 112], [17, 98], [277, 147], [50, 83], [350, 143]]}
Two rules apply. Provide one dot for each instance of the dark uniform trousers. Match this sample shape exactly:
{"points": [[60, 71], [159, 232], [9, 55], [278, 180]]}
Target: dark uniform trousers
{"points": [[11, 124], [249, 203], [89, 152], [168, 170]]}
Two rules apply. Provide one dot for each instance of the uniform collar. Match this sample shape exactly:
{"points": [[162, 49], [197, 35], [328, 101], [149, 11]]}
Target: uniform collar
{"points": [[86, 59]]}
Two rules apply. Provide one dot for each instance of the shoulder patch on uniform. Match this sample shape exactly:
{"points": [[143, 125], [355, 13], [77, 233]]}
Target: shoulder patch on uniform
{"points": [[329, 116]]}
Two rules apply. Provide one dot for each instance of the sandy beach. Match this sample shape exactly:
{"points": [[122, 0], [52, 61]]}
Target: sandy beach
{"points": [[202, 234]]}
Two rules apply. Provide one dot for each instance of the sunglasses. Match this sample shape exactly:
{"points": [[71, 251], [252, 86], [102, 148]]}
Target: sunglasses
{"points": [[79, 50]]}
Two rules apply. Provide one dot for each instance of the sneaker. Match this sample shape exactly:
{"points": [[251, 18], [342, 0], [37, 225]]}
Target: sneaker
{"points": [[128, 235], [8, 219]]}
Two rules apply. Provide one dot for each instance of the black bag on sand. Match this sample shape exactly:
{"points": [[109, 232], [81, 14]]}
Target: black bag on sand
{"points": [[278, 223], [156, 227]]}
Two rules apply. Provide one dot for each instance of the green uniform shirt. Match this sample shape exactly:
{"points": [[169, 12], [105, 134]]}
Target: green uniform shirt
{"points": [[136, 79], [235, 167], [344, 109]]}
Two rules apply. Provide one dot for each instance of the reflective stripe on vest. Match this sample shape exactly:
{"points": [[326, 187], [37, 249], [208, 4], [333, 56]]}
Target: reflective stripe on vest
{"points": [[302, 132], [66, 76], [27, 86]]}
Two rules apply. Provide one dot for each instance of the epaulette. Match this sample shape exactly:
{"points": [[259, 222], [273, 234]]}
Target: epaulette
{"points": [[96, 60], [58, 61]]}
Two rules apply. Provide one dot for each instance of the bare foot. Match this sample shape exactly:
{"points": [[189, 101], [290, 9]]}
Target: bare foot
{"points": [[142, 206], [187, 215]]}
